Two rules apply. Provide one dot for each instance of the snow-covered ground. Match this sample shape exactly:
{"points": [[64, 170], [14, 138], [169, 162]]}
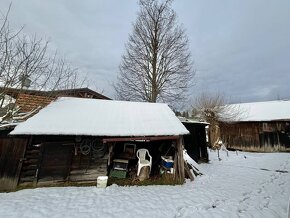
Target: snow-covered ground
{"points": [[243, 185]]}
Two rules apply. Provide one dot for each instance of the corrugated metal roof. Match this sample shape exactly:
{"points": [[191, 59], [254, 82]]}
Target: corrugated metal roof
{"points": [[95, 117]]}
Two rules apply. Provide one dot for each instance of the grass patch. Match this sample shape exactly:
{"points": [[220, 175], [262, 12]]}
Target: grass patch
{"points": [[160, 180], [56, 184]]}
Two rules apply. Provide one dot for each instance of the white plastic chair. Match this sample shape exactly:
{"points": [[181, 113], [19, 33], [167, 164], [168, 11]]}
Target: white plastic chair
{"points": [[142, 162]]}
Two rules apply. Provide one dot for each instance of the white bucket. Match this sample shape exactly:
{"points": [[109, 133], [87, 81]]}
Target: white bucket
{"points": [[102, 181]]}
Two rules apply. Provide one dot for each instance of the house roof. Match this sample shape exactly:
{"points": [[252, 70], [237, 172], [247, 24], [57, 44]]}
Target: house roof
{"points": [[55, 93], [95, 117], [191, 121], [28, 99], [264, 111], [72, 92]]}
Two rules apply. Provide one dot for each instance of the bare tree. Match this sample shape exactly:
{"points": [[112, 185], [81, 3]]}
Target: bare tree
{"points": [[26, 63], [213, 108], [157, 64]]}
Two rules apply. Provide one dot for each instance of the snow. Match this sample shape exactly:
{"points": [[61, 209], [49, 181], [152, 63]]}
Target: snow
{"points": [[7, 100], [264, 111], [95, 117], [243, 185], [188, 120], [192, 163]]}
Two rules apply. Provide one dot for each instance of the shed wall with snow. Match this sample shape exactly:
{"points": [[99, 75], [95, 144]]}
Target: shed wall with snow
{"points": [[58, 132]]}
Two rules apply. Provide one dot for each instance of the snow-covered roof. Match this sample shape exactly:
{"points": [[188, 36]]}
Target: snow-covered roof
{"points": [[95, 117], [264, 111], [188, 120]]}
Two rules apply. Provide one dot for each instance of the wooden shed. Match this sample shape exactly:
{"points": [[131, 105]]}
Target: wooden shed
{"points": [[74, 140], [196, 142], [263, 127], [18, 159]]}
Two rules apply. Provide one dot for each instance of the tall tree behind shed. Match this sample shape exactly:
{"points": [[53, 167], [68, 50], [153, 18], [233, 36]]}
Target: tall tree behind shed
{"points": [[157, 65]]}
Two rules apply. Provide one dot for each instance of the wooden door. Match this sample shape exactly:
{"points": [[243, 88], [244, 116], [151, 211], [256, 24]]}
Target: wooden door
{"points": [[56, 160], [11, 153]]}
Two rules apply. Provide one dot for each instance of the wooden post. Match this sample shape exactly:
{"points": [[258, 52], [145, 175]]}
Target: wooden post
{"points": [[39, 162], [179, 174], [111, 146]]}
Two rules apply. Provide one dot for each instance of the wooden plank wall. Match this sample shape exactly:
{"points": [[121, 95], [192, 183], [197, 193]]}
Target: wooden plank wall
{"points": [[86, 168], [256, 136], [60, 162], [11, 154]]}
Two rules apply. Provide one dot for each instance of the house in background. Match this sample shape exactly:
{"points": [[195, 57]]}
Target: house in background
{"points": [[75, 140], [264, 127], [28, 100], [19, 104]]}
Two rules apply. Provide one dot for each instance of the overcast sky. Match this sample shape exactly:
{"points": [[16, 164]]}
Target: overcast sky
{"points": [[240, 48]]}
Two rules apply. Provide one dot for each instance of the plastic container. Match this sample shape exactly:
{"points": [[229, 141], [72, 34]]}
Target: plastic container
{"points": [[102, 181], [167, 161]]}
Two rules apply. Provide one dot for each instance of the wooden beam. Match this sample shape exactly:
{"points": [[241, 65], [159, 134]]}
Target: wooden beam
{"points": [[179, 162], [188, 172], [151, 138]]}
